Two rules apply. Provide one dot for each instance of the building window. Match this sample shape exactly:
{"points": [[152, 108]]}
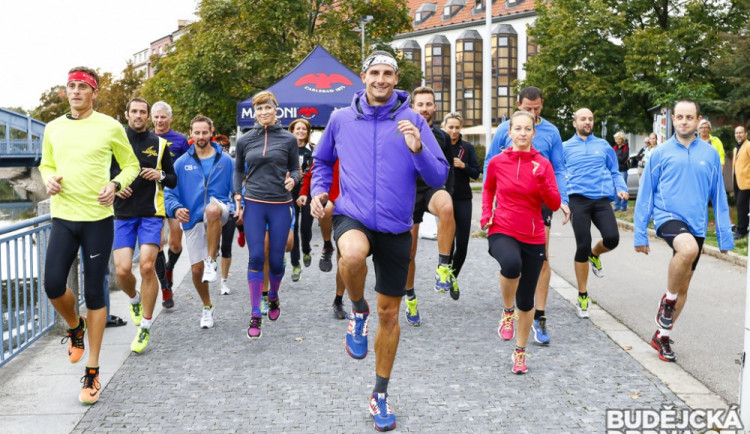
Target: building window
{"points": [[424, 13], [469, 77], [437, 61], [452, 7], [504, 71], [412, 52]]}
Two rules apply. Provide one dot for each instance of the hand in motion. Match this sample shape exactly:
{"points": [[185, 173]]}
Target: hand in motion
{"points": [[124, 193], [623, 195], [412, 136], [642, 249], [302, 200], [318, 205], [182, 214], [288, 182], [566, 212], [53, 185], [237, 207], [458, 164], [150, 174], [107, 194]]}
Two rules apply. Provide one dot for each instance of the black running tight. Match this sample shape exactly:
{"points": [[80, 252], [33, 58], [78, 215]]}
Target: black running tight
{"points": [[519, 259], [66, 237], [462, 214], [584, 211]]}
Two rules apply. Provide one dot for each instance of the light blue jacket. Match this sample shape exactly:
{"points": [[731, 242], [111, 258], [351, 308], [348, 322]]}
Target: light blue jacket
{"points": [[194, 191], [546, 140], [592, 168], [677, 184]]}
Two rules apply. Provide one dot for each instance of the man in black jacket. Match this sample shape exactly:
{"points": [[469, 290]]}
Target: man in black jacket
{"points": [[139, 215], [438, 202]]}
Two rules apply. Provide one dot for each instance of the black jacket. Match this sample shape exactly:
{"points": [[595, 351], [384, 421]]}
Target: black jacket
{"points": [[464, 151], [147, 199], [623, 154], [444, 140]]}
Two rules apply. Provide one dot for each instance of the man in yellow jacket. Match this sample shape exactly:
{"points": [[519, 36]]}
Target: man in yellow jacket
{"points": [[742, 173], [77, 152]]}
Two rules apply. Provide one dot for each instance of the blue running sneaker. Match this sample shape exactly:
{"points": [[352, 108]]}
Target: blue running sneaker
{"points": [[356, 335], [412, 314], [444, 278], [540, 331], [381, 411]]}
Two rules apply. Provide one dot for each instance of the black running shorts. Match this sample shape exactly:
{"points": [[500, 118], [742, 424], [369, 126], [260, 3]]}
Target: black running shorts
{"points": [[671, 228], [391, 254]]}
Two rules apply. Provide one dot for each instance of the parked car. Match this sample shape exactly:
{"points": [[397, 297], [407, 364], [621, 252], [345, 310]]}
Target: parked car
{"points": [[633, 181]]}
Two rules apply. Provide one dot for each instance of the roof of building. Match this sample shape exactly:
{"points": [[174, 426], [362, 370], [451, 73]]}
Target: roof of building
{"points": [[462, 14]]}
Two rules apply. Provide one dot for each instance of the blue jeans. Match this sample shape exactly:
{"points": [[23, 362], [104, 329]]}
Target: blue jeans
{"points": [[621, 204]]}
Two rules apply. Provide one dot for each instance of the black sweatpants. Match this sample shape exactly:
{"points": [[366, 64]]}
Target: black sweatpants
{"points": [[302, 229]]}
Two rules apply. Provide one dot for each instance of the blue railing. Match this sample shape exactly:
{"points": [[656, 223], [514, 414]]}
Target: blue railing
{"points": [[24, 308]]}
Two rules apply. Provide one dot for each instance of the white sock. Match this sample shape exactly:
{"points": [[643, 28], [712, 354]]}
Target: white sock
{"points": [[663, 332], [671, 297], [224, 280], [146, 323], [136, 299]]}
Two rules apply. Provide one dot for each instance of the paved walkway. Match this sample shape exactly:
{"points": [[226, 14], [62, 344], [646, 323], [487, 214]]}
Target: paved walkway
{"points": [[451, 374]]}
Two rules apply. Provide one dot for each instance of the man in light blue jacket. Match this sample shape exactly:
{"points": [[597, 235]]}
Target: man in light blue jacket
{"points": [[681, 177], [202, 204], [382, 145]]}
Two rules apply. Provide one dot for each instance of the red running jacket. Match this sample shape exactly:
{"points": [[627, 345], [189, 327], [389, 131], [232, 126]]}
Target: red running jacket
{"points": [[514, 192]]}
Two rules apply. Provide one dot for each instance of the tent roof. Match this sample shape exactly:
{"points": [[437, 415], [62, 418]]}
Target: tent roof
{"points": [[312, 90]]}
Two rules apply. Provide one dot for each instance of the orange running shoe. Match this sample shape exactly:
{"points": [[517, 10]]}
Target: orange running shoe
{"points": [[90, 392], [76, 347]]}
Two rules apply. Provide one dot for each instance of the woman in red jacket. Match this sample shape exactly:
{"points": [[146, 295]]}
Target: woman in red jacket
{"points": [[518, 182]]}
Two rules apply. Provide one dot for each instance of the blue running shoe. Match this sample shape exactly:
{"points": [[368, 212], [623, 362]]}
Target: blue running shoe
{"points": [[444, 278], [385, 420], [412, 314], [540, 331], [356, 335]]}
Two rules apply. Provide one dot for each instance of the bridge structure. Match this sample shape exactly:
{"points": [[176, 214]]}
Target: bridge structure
{"points": [[20, 140]]}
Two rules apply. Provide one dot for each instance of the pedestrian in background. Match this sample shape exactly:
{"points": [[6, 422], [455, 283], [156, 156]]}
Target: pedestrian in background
{"points": [[622, 150]]}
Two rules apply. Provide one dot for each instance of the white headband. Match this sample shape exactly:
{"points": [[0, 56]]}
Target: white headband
{"points": [[378, 59]]}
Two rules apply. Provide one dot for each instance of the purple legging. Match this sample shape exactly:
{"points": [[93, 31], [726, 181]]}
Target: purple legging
{"points": [[258, 216]]}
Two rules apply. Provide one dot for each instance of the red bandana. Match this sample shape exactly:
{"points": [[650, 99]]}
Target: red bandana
{"points": [[84, 77]]}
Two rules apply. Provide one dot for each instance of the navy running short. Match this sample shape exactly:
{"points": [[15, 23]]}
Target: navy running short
{"points": [[671, 228]]}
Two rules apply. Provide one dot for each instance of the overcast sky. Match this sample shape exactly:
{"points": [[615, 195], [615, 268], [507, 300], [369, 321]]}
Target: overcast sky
{"points": [[40, 40]]}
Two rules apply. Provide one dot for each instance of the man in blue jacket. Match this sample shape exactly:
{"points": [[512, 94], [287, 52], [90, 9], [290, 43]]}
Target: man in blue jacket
{"points": [[681, 177], [593, 181], [202, 202], [382, 145], [548, 142]]}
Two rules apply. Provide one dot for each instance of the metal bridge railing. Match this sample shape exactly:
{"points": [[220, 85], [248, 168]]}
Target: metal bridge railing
{"points": [[24, 308]]}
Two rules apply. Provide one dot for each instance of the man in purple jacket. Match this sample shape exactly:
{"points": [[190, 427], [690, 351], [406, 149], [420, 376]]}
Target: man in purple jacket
{"points": [[382, 145]]}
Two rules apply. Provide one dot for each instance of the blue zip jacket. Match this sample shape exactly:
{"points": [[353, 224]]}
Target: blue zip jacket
{"points": [[592, 168], [378, 172], [546, 140], [194, 191], [677, 184]]}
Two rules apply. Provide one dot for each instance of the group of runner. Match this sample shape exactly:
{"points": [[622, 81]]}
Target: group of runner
{"points": [[379, 165]]}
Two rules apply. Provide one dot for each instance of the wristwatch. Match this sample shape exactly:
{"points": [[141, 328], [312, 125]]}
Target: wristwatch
{"points": [[163, 175], [117, 186]]}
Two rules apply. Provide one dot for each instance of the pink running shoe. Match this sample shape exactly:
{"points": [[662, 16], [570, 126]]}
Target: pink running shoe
{"points": [[506, 329], [519, 362]]}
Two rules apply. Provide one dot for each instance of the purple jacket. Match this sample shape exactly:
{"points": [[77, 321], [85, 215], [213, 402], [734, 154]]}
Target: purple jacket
{"points": [[377, 171]]}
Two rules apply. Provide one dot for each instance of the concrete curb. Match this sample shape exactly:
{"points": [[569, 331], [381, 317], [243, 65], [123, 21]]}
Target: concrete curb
{"points": [[691, 391], [707, 250]]}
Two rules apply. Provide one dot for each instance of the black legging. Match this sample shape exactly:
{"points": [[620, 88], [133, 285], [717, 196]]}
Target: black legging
{"points": [[743, 206], [227, 236], [584, 211], [519, 259], [462, 215], [303, 226], [95, 239]]}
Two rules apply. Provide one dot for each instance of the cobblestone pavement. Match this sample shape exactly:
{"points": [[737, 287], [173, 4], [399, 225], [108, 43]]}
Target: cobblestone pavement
{"points": [[452, 374]]}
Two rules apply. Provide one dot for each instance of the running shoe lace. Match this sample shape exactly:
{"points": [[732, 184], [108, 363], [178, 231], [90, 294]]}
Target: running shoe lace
{"points": [[507, 321], [206, 314], [361, 327], [543, 326], [327, 254], [254, 323], [137, 309], [89, 382], [666, 344], [143, 334], [75, 338], [520, 359]]}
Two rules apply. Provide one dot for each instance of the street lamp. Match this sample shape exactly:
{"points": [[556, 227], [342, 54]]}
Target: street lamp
{"points": [[363, 21]]}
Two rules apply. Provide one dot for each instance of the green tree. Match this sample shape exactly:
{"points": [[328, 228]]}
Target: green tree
{"points": [[114, 94], [623, 58], [240, 47], [52, 104]]}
